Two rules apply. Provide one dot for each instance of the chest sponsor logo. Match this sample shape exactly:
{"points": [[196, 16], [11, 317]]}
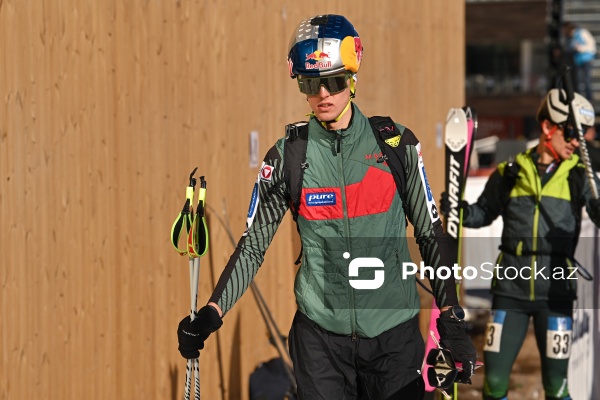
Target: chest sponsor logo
{"points": [[374, 157], [320, 199], [393, 142]]}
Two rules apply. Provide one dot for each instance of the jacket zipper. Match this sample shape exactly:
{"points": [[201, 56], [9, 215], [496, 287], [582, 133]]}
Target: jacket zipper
{"points": [[534, 234], [338, 149], [536, 219]]}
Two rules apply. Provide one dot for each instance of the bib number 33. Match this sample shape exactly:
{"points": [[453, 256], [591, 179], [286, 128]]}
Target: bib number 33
{"points": [[558, 338]]}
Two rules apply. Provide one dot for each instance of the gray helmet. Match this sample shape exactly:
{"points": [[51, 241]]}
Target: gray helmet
{"points": [[554, 109]]}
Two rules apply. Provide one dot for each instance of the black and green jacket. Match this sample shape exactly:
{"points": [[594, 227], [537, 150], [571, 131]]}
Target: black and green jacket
{"points": [[349, 209], [541, 226]]}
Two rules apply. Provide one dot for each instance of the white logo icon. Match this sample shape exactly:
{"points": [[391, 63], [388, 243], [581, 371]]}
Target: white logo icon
{"points": [[365, 262]]}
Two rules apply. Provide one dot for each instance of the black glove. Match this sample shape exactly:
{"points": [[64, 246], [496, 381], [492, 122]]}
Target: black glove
{"points": [[192, 334], [454, 338], [445, 205], [594, 209]]}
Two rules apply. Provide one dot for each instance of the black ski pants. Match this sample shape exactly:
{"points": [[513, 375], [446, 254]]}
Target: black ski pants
{"points": [[330, 366]]}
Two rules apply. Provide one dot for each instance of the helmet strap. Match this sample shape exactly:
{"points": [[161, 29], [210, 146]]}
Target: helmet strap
{"points": [[352, 87], [549, 146], [352, 95]]}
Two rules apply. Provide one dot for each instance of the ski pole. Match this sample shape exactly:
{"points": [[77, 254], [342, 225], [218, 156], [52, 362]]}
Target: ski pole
{"points": [[198, 235], [574, 114], [196, 246], [184, 221], [193, 364]]}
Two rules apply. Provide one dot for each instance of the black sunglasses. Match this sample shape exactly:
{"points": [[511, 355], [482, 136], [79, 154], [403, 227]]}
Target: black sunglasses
{"points": [[569, 131], [334, 84]]}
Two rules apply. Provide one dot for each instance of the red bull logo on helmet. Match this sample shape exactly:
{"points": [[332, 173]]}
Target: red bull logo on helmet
{"points": [[359, 49], [317, 60]]}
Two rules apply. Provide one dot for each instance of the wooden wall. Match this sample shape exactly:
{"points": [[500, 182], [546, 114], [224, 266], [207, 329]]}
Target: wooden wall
{"points": [[107, 106]]}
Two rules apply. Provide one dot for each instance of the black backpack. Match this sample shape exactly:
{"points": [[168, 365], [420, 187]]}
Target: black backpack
{"points": [[270, 381], [294, 156]]}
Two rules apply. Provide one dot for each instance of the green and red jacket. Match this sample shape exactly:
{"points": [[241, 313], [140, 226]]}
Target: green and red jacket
{"points": [[349, 209]]}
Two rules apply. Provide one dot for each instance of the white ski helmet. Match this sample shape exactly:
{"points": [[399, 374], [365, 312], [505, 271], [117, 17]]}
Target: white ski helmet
{"points": [[555, 108]]}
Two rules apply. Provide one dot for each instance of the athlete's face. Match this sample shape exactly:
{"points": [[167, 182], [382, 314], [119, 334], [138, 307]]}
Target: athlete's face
{"points": [[327, 106], [564, 145]]}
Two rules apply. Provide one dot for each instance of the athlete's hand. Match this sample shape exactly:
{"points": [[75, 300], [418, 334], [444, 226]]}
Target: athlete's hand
{"points": [[453, 336], [445, 205], [192, 334], [594, 209]]}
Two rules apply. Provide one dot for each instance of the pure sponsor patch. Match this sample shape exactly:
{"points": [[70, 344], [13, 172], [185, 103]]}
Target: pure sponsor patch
{"points": [[320, 199]]}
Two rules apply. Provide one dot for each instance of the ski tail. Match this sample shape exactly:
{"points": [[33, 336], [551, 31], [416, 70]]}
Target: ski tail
{"points": [[472, 132], [471, 116], [460, 131], [430, 344], [461, 128]]}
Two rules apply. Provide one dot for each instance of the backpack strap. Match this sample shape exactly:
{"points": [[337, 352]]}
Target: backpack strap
{"points": [[294, 162], [509, 180], [393, 150], [388, 138], [577, 179]]}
